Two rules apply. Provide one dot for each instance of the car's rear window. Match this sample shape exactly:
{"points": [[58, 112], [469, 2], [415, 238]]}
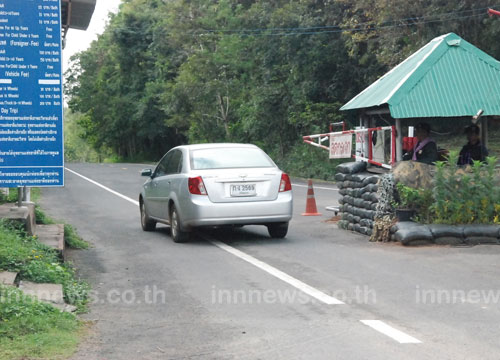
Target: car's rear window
{"points": [[227, 158]]}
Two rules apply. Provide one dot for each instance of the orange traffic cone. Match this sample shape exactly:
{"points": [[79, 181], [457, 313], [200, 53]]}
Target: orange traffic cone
{"points": [[311, 209]]}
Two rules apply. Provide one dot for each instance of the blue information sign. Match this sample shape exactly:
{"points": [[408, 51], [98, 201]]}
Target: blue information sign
{"points": [[31, 103]]}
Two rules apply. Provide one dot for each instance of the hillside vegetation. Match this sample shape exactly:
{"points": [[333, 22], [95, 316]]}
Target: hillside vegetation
{"points": [[266, 72]]}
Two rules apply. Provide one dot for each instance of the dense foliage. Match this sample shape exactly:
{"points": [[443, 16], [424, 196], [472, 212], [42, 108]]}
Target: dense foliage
{"points": [[266, 72], [466, 198], [459, 195]]}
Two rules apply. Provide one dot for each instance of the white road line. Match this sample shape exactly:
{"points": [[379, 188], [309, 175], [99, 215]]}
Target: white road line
{"points": [[315, 293], [104, 187], [309, 290], [316, 187], [385, 329]]}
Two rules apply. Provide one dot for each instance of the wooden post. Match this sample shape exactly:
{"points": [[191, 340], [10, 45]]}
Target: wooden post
{"points": [[399, 140]]}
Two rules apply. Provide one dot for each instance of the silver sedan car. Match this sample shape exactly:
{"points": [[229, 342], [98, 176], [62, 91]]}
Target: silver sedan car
{"points": [[215, 185]]}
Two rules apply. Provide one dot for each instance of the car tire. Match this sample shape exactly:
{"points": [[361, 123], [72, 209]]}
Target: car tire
{"points": [[277, 230], [178, 235], [147, 223]]}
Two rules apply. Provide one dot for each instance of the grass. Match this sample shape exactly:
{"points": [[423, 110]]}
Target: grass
{"points": [[71, 237], [39, 263], [35, 330], [11, 197], [28, 328]]}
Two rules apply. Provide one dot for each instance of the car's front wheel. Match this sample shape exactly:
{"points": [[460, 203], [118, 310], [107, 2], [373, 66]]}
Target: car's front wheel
{"points": [[277, 230], [178, 235], [147, 223]]}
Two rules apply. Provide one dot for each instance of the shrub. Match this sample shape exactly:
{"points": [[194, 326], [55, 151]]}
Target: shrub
{"points": [[466, 198], [420, 200]]}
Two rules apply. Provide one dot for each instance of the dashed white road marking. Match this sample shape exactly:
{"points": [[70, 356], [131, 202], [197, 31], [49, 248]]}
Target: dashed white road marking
{"points": [[316, 187], [393, 333], [311, 291]]}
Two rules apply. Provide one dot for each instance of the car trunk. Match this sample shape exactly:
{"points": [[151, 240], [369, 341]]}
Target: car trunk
{"points": [[241, 185]]}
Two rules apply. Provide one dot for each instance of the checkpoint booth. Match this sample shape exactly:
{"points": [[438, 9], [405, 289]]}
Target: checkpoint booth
{"points": [[445, 80]]}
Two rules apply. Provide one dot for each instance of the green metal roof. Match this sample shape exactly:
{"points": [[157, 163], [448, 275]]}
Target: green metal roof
{"points": [[448, 77]]}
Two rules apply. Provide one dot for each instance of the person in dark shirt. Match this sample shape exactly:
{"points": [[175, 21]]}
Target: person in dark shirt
{"points": [[425, 150], [473, 150]]}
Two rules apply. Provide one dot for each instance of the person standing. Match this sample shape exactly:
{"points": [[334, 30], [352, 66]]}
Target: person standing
{"points": [[425, 150], [473, 150]]}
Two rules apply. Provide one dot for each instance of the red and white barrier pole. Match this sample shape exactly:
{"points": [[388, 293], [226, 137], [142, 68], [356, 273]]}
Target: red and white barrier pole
{"points": [[492, 12]]}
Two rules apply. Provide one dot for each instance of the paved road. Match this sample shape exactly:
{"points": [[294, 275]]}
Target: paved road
{"points": [[245, 299]]}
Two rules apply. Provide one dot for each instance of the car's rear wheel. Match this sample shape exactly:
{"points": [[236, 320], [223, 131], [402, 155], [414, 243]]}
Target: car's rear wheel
{"points": [[147, 223], [277, 230], [178, 235]]}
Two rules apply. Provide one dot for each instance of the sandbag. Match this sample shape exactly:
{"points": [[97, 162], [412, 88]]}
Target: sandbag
{"points": [[366, 196], [360, 176], [340, 177], [372, 179], [356, 219], [358, 202], [365, 222], [343, 192], [443, 230], [350, 226], [341, 201], [481, 230], [351, 167], [373, 198], [364, 213], [481, 234], [373, 207], [371, 188], [413, 234], [370, 214], [363, 230], [342, 224], [447, 234], [402, 225], [449, 240], [357, 227], [356, 184], [367, 204]]}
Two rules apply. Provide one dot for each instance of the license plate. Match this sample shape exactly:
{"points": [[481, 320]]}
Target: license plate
{"points": [[243, 190]]}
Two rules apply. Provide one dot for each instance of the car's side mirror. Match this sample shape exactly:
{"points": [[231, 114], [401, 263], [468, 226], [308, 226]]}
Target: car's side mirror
{"points": [[147, 172]]}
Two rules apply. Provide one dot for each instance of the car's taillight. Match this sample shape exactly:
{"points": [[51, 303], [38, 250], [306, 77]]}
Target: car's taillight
{"points": [[285, 184], [196, 186]]}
